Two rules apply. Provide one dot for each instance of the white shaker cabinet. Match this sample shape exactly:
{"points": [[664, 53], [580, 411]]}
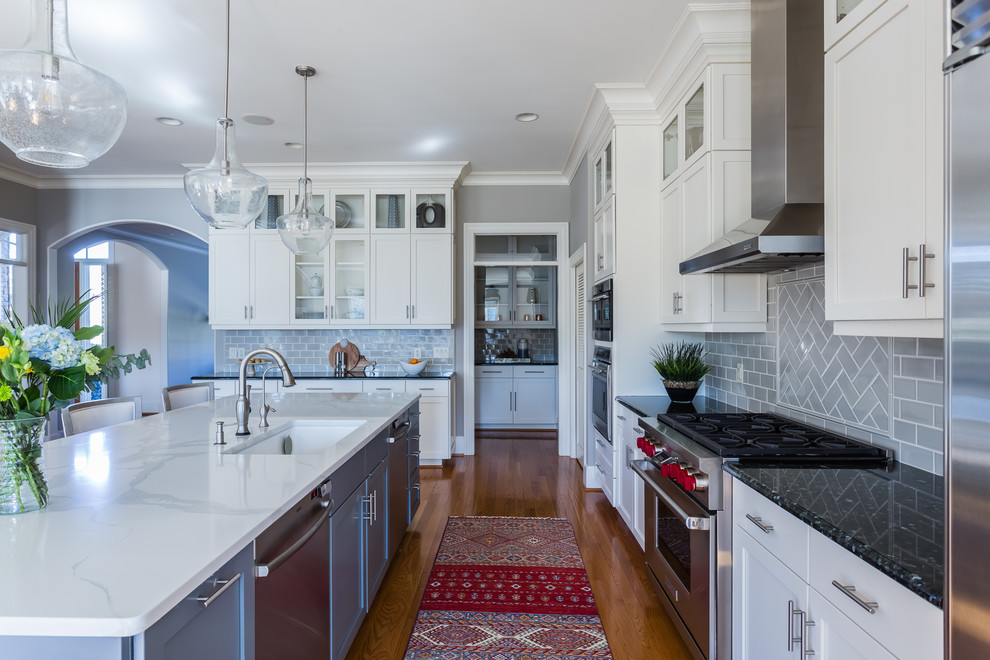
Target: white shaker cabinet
{"points": [[795, 590], [630, 500], [709, 198], [412, 279], [249, 279], [519, 395], [884, 173]]}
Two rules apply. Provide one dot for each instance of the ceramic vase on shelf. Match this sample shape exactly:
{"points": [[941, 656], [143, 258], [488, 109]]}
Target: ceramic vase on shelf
{"points": [[23, 484]]}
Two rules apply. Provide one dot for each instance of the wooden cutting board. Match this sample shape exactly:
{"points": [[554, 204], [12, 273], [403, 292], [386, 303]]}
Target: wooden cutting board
{"points": [[351, 354]]}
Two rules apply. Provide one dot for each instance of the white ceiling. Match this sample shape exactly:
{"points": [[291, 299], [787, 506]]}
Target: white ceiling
{"points": [[397, 80]]}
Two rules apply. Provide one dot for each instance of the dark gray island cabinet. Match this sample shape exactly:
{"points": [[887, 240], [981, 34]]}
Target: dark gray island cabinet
{"points": [[373, 496]]}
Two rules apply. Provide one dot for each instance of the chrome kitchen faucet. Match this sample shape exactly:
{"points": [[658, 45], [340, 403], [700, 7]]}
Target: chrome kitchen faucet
{"points": [[243, 407]]}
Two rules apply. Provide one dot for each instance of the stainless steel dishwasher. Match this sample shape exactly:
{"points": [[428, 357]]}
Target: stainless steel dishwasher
{"points": [[292, 587]]}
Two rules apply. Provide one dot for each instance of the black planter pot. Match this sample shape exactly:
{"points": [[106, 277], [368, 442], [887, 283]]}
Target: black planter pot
{"points": [[681, 392]]}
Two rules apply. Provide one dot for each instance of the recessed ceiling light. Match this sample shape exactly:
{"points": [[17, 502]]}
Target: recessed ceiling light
{"points": [[527, 116], [294, 145], [169, 121], [257, 120]]}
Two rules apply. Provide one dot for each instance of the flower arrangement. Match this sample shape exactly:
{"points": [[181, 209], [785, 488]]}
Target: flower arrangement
{"points": [[45, 365]]}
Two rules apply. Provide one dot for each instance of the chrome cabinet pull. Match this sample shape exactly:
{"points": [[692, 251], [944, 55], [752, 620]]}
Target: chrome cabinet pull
{"points": [[245, 311], [333, 314], [766, 528], [849, 590], [678, 298], [226, 584], [906, 259], [924, 255], [413, 314], [326, 311], [801, 638]]}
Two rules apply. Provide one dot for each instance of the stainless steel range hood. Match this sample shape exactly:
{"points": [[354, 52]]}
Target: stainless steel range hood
{"points": [[788, 121]]}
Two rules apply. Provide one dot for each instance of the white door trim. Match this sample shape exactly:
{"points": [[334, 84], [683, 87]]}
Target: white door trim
{"points": [[578, 389], [565, 369]]}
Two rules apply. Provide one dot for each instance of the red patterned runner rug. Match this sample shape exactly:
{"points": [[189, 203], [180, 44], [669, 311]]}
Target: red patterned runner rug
{"points": [[508, 589]]}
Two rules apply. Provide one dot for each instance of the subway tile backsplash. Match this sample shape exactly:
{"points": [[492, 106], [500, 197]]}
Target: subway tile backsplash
{"points": [[308, 350], [542, 342], [886, 391]]}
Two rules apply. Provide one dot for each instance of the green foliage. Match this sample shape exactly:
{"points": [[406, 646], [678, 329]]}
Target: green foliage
{"points": [[683, 362]]}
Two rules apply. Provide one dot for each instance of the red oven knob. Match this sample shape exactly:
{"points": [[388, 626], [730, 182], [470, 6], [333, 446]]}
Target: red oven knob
{"points": [[649, 450], [665, 470], [690, 483], [641, 442], [681, 474]]}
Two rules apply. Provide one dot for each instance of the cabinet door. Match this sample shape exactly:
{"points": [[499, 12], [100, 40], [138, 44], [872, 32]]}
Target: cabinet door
{"points": [[230, 278], [765, 594], [339, 385], [883, 126], [534, 401], [348, 596], [376, 515], [835, 637], [310, 284], [605, 240], [222, 631], [493, 400], [390, 264], [434, 423], [351, 279], [271, 265], [686, 228], [432, 280]]}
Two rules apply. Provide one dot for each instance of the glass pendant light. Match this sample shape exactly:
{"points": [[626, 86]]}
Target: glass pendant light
{"points": [[56, 111], [305, 230], [224, 192]]}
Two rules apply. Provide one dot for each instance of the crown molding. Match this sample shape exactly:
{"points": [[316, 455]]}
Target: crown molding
{"points": [[446, 174], [703, 34], [516, 179]]}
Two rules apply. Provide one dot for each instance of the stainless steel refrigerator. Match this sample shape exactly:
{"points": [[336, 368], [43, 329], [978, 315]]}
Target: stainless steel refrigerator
{"points": [[967, 332]]}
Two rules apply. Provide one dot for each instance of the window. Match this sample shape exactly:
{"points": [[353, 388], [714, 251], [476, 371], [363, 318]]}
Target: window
{"points": [[16, 275], [91, 276]]}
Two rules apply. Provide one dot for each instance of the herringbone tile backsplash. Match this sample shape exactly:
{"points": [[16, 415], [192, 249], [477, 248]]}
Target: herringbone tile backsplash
{"points": [[881, 390]]}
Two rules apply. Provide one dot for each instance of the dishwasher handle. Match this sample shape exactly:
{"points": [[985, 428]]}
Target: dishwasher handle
{"points": [[264, 570]]}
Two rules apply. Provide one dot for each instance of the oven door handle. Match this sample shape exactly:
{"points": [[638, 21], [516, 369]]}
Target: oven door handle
{"points": [[696, 523]]}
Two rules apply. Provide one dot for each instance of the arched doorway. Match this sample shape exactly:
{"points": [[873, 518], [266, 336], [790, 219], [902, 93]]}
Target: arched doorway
{"points": [[156, 297]]}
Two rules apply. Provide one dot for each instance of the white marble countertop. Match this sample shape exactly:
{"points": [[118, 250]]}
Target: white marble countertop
{"points": [[141, 513]]}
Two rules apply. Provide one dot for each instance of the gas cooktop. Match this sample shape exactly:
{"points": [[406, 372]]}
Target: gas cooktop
{"points": [[767, 436]]}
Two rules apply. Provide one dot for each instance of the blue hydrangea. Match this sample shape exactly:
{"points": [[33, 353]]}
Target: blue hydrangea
{"points": [[55, 346]]}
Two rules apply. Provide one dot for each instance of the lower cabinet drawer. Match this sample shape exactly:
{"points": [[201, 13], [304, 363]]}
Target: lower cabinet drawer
{"points": [[342, 385], [428, 387], [775, 529], [903, 622]]}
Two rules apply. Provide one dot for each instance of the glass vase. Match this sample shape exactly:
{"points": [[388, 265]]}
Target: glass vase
{"points": [[23, 485]]}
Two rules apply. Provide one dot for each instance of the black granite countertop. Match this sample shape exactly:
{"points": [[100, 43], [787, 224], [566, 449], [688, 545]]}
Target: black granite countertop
{"points": [[651, 406], [892, 520], [381, 372]]}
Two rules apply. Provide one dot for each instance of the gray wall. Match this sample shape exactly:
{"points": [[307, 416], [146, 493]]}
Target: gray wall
{"points": [[478, 204], [63, 212], [18, 202], [580, 212]]}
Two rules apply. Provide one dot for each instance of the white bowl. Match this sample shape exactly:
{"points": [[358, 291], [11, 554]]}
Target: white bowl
{"points": [[413, 369]]}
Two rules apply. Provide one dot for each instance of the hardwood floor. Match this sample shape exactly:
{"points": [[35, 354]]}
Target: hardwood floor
{"points": [[523, 477]]}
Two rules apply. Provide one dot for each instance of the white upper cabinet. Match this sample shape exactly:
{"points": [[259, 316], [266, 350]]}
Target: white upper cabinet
{"points": [[390, 262], [884, 172], [841, 16]]}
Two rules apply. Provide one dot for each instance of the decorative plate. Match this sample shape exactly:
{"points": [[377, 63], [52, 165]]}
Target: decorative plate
{"points": [[429, 215], [342, 214]]}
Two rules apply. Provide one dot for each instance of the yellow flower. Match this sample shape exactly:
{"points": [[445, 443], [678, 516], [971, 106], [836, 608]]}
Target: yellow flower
{"points": [[4, 352]]}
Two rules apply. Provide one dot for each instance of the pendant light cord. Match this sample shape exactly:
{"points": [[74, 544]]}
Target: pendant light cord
{"points": [[305, 127], [226, 84]]}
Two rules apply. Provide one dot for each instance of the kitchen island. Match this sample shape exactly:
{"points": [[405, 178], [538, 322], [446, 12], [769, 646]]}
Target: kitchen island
{"points": [[141, 513]]}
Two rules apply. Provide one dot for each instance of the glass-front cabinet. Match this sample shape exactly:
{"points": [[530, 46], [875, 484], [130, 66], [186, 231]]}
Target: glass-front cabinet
{"points": [[604, 170], [686, 126], [279, 203], [671, 139], [334, 292], [512, 288], [350, 211], [390, 210], [350, 279], [515, 296]]}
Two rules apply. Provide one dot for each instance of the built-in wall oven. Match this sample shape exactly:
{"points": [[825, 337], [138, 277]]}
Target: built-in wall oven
{"points": [[601, 311], [601, 392]]}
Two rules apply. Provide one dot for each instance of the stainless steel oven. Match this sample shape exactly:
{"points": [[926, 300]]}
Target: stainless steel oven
{"points": [[681, 553], [601, 311], [601, 391]]}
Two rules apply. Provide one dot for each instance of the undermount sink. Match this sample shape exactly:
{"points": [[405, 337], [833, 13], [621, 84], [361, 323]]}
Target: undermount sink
{"points": [[299, 437]]}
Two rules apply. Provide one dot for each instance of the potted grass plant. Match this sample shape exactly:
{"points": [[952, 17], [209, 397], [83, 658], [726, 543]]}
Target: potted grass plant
{"points": [[681, 366]]}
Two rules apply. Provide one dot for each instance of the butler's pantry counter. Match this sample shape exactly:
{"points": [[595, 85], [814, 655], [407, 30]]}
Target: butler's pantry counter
{"points": [[142, 513]]}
